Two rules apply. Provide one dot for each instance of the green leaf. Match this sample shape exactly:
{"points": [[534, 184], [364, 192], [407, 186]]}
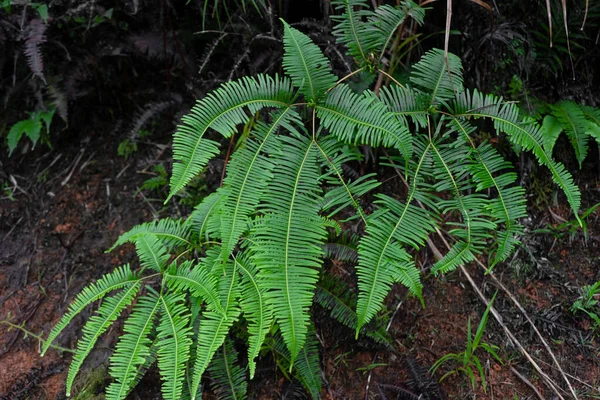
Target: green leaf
{"points": [[440, 78], [350, 28], [133, 348], [173, 334], [108, 312], [30, 127], [254, 306], [306, 65], [214, 326], [551, 130], [221, 110], [363, 119], [287, 239], [170, 232], [522, 131], [575, 125], [151, 252], [249, 173], [229, 379], [121, 277], [199, 281], [382, 259]]}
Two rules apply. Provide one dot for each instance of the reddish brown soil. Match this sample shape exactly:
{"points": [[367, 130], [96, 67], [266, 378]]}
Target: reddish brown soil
{"points": [[53, 238]]}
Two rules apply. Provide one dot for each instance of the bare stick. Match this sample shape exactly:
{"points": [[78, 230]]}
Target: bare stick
{"points": [[526, 381]]}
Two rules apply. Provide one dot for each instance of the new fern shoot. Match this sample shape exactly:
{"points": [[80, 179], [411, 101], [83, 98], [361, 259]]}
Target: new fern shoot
{"points": [[249, 257]]}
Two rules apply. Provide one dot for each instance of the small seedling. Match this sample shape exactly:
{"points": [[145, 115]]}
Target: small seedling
{"points": [[588, 303], [467, 360], [570, 227]]}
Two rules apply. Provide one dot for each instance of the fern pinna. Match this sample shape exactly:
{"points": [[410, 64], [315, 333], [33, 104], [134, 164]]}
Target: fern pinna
{"points": [[250, 254]]}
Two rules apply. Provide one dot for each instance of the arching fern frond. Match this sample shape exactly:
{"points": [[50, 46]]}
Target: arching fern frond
{"points": [[405, 103], [199, 281], [304, 62], [306, 367], [221, 110], [248, 175], [170, 232], [335, 296], [174, 341], [575, 125], [363, 119], [255, 309], [386, 20], [214, 326], [108, 312], [133, 347], [523, 131], [121, 277], [382, 259], [198, 220], [474, 229], [350, 28], [151, 252], [229, 379], [440, 78], [287, 240]]}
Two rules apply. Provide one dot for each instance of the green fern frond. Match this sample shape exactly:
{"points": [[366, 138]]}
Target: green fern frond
{"points": [[151, 252], [121, 277], [345, 195], [509, 205], [173, 342], [335, 296], [133, 347], [108, 312], [287, 239], [405, 102], [575, 125], [229, 379], [440, 78], [382, 259], [551, 130], [386, 20], [215, 326], [199, 219], [304, 62], [170, 232], [221, 110], [254, 307], [350, 28], [199, 281], [248, 175], [522, 131], [593, 116], [363, 119], [474, 229], [306, 367]]}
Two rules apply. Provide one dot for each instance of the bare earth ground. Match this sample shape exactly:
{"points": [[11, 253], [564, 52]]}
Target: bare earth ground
{"points": [[71, 205]]}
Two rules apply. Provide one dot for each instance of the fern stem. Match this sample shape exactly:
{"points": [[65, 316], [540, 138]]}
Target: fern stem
{"points": [[391, 78], [344, 78], [33, 335]]}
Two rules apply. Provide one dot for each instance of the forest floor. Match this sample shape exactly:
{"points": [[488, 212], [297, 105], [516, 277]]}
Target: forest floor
{"points": [[65, 207]]}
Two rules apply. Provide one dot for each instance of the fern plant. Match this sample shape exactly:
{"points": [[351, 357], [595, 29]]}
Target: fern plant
{"points": [[580, 123], [250, 254]]}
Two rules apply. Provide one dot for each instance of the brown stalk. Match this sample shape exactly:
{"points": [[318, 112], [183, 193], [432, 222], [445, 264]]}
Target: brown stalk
{"points": [[587, 5], [549, 10]]}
